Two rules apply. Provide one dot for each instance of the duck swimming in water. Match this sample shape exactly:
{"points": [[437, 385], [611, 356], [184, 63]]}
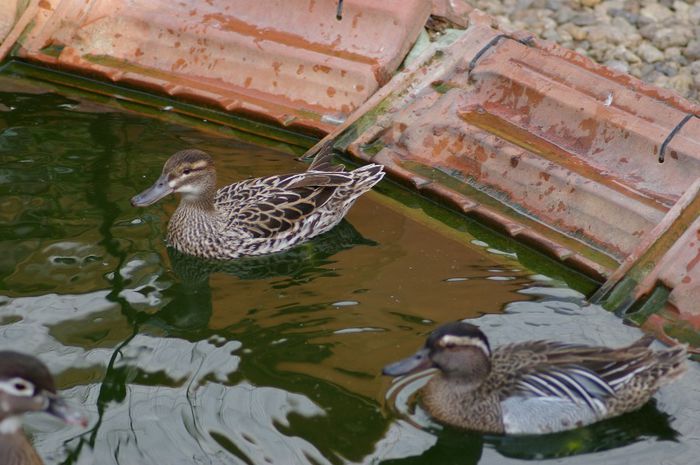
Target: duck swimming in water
{"points": [[255, 216], [535, 387]]}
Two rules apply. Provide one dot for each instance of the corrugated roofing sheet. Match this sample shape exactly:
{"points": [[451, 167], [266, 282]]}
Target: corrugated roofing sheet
{"points": [[290, 61]]}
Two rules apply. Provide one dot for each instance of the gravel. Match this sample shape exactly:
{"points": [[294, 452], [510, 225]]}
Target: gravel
{"points": [[657, 41]]}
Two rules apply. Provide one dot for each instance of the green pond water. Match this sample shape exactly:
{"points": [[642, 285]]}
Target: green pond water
{"points": [[274, 360]]}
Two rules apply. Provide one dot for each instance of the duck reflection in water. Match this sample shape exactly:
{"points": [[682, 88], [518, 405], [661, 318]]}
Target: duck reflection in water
{"points": [[191, 301]]}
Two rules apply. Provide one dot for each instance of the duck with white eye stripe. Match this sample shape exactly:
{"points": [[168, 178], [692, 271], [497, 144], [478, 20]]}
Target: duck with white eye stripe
{"points": [[535, 387], [26, 386], [255, 216]]}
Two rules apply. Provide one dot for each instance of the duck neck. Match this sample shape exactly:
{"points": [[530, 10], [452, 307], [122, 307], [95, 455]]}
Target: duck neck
{"points": [[194, 220], [15, 448], [202, 201]]}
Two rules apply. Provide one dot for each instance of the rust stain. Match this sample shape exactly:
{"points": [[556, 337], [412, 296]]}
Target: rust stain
{"points": [[355, 19], [233, 24], [330, 91], [248, 81], [276, 65], [179, 64], [322, 68], [694, 261], [45, 5], [584, 143], [440, 146], [300, 69], [138, 52]]}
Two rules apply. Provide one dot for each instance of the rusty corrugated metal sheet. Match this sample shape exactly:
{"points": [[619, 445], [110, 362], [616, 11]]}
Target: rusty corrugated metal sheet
{"points": [[572, 144], [290, 61]]}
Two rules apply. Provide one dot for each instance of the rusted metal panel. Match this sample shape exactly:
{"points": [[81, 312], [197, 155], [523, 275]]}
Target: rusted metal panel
{"points": [[290, 61], [548, 133]]}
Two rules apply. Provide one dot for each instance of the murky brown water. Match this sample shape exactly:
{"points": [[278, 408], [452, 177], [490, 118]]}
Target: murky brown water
{"points": [[269, 360]]}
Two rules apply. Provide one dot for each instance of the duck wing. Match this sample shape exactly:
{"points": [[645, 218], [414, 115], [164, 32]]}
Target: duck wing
{"points": [[265, 207], [583, 375]]}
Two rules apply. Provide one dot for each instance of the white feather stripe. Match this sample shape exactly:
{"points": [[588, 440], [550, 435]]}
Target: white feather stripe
{"points": [[465, 341], [581, 391], [620, 367], [595, 379], [558, 386], [628, 376], [526, 386], [561, 387]]}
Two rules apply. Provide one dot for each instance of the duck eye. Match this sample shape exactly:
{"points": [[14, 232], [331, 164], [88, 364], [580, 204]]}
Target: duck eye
{"points": [[187, 171], [18, 387], [450, 345]]}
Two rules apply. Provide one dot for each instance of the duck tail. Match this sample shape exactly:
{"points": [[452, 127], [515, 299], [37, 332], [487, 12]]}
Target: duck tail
{"points": [[365, 177], [671, 363], [323, 160]]}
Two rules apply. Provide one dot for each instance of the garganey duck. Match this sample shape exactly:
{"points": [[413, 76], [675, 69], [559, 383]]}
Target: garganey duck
{"points": [[256, 216], [26, 386], [535, 387]]}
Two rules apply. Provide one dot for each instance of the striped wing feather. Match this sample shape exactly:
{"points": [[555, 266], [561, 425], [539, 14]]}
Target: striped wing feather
{"points": [[581, 374]]}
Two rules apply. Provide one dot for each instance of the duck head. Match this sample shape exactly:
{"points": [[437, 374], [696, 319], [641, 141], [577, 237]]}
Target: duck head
{"points": [[188, 172], [458, 350], [27, 386]]}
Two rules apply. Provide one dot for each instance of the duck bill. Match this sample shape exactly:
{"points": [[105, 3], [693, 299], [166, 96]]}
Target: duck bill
{"points": [[417, 362], [59, 408], [153, 194]]}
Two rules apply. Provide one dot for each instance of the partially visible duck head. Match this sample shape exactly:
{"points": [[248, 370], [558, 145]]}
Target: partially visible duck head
{"points": [[458, 350], [27, 386], [188, 172]]}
